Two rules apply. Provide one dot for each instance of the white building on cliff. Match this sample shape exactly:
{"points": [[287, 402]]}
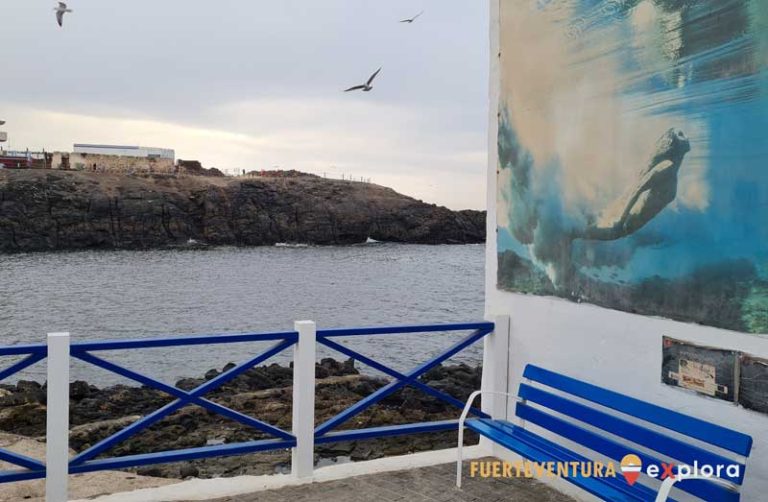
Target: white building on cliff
{"points": [[116, 159]]}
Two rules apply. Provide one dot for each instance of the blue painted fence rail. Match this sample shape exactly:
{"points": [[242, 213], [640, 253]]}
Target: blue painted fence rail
{"points": [[91, 459], [324, 434], [31, 468]]}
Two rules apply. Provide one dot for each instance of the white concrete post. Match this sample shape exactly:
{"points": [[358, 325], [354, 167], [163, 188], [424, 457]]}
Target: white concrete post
{"points": [[495, 372], [496, 367], [303, 455], [57, 419]]}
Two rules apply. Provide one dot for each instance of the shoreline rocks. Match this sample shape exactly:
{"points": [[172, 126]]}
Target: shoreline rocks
{"points": [[45, 210], [263, 392]]}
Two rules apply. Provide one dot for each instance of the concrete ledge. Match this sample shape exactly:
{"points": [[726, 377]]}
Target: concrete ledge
{"points": [[206, 489]]}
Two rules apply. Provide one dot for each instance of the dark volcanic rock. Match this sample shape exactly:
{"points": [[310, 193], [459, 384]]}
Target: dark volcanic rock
{"points": [[56, 210], [195, 168], [23, 392], [189, 471]]}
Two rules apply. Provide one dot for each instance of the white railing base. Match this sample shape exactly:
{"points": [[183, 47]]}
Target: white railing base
{"points": [[303, 455], [208, 489], [57, 419]]}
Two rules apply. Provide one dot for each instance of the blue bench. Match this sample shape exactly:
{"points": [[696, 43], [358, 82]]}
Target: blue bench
{"points": [[606, 426]]}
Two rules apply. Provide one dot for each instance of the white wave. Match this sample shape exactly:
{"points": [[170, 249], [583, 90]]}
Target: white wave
{"points": [[291, 245]]}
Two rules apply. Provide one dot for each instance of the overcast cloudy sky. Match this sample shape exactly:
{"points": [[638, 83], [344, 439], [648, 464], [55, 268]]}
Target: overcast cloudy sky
{"points": [[251, 84]]}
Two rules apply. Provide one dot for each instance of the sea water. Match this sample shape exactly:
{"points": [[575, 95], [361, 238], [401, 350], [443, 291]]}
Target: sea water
{"points": [[106, 295]]}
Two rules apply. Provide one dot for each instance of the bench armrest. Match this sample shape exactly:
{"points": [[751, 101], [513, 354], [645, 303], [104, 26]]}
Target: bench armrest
{"points": [[462, 420], [667, 484], [471, 400]]}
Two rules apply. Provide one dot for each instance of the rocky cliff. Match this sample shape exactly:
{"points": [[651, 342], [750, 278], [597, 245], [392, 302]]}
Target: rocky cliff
{"points": [[57, 210]]}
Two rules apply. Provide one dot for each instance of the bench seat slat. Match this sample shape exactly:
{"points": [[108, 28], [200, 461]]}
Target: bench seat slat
{"points": [[705, 490], [605, 488], [562, 453], [704, 431], [656, 441]]}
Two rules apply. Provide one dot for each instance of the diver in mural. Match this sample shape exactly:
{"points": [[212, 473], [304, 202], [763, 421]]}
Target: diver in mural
{"points": [[655, 189], [544, 227]]}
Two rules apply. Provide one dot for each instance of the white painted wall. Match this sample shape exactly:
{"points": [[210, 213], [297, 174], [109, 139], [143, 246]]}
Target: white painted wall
{"points": [[613, 349]]}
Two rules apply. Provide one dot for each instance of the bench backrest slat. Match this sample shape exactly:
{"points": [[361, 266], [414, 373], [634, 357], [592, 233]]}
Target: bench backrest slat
{"points": [[613, 449], [704, 431], [636, 433]]}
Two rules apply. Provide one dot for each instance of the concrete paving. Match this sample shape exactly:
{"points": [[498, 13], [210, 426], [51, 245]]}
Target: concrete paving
{"points": [[428, 484], [80, 485]]}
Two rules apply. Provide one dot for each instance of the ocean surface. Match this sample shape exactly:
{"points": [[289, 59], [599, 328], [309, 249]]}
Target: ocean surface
{"points": [[129, 294]]}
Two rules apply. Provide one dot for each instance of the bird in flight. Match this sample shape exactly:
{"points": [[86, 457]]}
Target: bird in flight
{"points": [[412, 19], [366, 87], [60, 11]]}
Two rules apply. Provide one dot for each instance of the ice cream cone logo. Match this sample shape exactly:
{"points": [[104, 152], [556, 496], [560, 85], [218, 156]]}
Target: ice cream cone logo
{"points": [[631, 466]]}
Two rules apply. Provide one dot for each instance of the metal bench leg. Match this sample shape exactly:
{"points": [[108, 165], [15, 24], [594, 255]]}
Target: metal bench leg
{"points": [[460, 446], [464, 413], [664, 489], [667, 484], [460, 458]]}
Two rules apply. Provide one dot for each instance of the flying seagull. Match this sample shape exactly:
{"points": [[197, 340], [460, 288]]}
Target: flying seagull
{"points": [[366, 87], [60, 11], [414, 18]]}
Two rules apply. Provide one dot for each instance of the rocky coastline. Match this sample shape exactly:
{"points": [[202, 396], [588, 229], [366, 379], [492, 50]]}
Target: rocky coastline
{"points": [[48, 210], [265, 393]]}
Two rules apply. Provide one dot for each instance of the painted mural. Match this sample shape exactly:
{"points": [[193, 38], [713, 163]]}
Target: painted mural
{"points": [[633, 156]]}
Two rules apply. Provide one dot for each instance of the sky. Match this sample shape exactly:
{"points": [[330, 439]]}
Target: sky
{"points": [[251, 84]]}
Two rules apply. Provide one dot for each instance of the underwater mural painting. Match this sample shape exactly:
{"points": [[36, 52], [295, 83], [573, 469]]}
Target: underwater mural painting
{"points": [[633, 156]]}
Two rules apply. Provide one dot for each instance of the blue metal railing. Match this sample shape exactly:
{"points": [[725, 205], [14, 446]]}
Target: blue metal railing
{"points": [[84, 461], [324, 433], [30, 468], [91, 458]]}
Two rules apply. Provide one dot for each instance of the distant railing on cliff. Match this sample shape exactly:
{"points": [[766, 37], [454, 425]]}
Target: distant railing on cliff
{"points": [[304, 434]]}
